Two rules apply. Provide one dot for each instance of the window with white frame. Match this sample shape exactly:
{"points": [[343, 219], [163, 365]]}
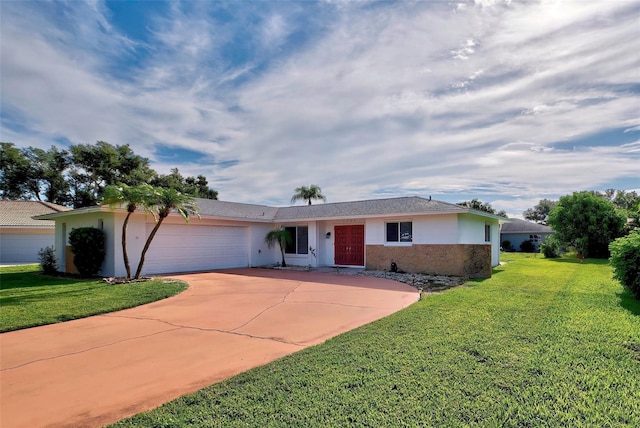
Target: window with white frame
{"points": [[299, 243], [399, 231], [487, 233]]}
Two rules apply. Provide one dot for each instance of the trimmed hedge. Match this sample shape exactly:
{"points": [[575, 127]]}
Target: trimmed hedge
{"points": [[87, 244], [625, 259]]}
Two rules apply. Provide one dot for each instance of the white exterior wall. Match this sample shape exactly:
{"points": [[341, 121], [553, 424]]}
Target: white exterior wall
{"points": [[431, 229], [259, 253], [66, 225], [21, 245], [300, 259], [471, 231]]}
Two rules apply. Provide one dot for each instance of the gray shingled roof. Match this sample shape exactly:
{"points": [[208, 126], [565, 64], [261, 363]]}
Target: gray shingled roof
{"points": [[358, 209], [234, 210], [20, 213], [523, 226], [375, 207]]}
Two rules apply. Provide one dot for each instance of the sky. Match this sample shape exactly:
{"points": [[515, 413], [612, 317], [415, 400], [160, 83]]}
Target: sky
{"points": [[509, 102]]}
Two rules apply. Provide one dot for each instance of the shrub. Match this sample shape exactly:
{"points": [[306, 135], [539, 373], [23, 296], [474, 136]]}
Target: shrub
{"points": [[87, 245], [48, 261], [551, 247], [528, 246], [506, 245], [625, 259]]}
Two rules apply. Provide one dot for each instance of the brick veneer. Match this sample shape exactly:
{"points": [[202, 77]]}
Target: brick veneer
{"points": [[468, 260]]}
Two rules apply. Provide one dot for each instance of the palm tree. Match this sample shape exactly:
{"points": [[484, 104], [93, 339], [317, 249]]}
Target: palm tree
{"points": [[132, 197], [282, 237], [162, 202], [308, 193]]}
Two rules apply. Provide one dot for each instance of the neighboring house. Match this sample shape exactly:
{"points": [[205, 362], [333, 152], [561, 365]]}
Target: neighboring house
{"points": [[517, 231], [420, 235], [21, 237]]}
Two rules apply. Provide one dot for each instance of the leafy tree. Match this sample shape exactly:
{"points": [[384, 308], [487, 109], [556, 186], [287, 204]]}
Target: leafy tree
{"points": [[625, 260], [305, 193], [540, 212], [14, 172], [95, 166], [282, 237], [478, 205], [132, 198], [161, 202], [587, 222], [198, 187]]}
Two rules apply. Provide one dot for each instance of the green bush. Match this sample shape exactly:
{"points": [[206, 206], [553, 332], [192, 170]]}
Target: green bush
{"points": [[506, 245], [48, 261], [87, 245], [551, 247], [625, 259], [528, 246]]}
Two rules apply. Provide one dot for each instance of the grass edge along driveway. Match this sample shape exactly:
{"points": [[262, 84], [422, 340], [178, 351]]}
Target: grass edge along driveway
{"points": [[29, 298], [541, 343]]}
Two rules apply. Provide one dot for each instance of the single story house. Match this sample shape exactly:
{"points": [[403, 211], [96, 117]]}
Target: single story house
{"points": [[418, 234], [517, 231], [21, 237]]}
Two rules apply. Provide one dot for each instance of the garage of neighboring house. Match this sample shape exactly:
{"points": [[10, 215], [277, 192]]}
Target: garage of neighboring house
{"points": [[197, 247], [22, 237]]}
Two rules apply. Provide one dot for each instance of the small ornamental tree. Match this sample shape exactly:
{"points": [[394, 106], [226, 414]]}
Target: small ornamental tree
{"points": [[551, 247], [87, 245], [625, 260], [282, 237], [588, 223], [48, 261]]}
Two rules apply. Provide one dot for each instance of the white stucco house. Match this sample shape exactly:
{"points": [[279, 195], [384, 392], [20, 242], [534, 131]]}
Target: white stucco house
{"points": [[517, 231], [418, 234], [22, 237]]}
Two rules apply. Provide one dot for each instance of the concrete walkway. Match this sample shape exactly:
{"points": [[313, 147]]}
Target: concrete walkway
{"points": [[97, 370]]}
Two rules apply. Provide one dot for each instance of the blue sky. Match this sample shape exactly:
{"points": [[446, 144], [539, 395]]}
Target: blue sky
{"points": [[506, 101]]}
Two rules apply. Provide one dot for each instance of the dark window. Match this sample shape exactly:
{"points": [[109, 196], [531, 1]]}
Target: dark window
{"points": [[487, 233], [400, 231], [299, 240], [290, 248]]}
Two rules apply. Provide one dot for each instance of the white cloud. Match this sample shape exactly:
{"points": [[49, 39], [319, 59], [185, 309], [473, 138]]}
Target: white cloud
{"points": [[403, 98]]}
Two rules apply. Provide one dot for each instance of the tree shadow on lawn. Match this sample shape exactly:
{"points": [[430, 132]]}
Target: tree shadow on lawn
{"points": [[34, 296], [629, 302], [581, 262]]}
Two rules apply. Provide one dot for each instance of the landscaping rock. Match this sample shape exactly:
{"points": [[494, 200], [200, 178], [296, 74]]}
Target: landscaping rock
{"points": [[420, 281]]}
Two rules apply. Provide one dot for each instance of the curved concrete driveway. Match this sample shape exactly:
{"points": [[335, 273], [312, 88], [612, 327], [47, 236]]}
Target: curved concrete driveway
{"points": [[97, 370]]}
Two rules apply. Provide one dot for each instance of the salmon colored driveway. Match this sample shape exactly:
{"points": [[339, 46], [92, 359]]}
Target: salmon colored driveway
{"points": [[97, 370]]}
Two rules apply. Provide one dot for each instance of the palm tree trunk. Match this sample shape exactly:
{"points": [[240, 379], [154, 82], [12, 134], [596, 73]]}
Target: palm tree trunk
{"points": [[125, 256], [146, 247], [284, 264]]}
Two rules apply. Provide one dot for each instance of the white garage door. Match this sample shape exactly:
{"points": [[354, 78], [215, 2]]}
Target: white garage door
{"points": [[189, 247], [23, 247]]}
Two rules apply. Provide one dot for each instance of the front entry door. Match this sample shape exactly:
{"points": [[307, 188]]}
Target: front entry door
{"points": [[349, 245]]}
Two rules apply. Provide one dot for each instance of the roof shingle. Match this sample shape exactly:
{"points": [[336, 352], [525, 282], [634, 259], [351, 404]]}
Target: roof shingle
{"points": [[20, 213]]}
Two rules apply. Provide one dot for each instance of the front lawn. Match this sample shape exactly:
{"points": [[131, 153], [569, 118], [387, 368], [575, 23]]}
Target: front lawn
{"points": [[541, 343], [28, 298]]}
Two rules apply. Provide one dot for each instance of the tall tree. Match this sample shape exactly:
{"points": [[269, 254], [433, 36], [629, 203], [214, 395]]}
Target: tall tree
{"points": [[587, 222], [478, 205], [198, 187], [540, 212], [132, 198], [161, 204], [14, 172], [305, 193], [282, 237], [95, 166]]}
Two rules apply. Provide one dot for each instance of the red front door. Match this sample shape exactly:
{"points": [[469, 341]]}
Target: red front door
{"points": [[349, 245]]}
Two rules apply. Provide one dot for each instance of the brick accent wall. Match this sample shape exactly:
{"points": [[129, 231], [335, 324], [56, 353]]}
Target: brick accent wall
{"points": [[468, 260]]}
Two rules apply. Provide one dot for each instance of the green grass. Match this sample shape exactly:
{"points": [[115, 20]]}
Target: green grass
{"points": [[541, 343], [28, 298]]}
